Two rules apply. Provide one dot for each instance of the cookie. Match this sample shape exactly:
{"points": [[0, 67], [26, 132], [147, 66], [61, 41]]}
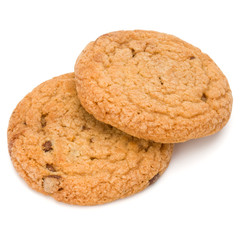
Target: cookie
{"points": [[62, 151], [153, 85]]}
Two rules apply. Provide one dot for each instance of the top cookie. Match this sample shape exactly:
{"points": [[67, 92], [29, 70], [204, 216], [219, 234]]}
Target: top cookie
{"points": [[153, 86]]}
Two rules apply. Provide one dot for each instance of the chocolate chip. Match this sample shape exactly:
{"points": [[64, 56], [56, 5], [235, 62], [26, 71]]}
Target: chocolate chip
{"points": [[50, 167], [43, 120], [92, 158], [192, 57], [160, 80], [60, 189], [204, 97], [11, 142], [91, 140], [84, 127], [47, 146], [133, 53], [53, 176], [25, 123], [154, 179]]}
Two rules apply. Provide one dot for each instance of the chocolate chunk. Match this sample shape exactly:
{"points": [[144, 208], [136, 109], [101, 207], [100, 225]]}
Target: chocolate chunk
{"points": [[53, 176], [192, 57], [12, 140], [47, 146], [160, 80], [133, 53], [84, 127], [154, 179], [50, 167], [43, 120], [204, 97]]}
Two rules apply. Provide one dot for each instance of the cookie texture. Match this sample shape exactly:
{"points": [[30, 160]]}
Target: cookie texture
{"points": [[62, 151], [153, 86]]}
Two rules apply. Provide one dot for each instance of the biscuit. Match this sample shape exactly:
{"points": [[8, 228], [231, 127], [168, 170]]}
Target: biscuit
{"points": [[153, 86], [62, 151]]}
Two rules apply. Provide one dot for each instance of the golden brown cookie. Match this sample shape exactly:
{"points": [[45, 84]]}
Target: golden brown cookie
{"points": [[61, 150], [153, 86]]}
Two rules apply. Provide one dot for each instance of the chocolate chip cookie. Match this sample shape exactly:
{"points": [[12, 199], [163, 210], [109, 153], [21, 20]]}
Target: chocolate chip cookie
{"points": [[153, 86], [62, 151]]}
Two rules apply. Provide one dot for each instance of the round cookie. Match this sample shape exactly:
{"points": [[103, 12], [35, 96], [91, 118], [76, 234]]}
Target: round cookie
{"points": [[153, 86], [61, 150]]}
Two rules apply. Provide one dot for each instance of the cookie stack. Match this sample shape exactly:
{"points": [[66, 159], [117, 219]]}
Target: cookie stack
{"points": [[107, 131]]}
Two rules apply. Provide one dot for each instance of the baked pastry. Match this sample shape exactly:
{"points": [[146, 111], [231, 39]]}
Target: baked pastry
{"points": [[153, 86], [62, 151]]}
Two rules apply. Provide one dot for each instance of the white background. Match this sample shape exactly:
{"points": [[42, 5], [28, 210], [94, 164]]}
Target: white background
{"points": [[198, 197]]}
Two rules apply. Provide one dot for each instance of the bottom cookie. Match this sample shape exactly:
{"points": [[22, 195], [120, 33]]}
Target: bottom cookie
{"points": [[62, 151]]}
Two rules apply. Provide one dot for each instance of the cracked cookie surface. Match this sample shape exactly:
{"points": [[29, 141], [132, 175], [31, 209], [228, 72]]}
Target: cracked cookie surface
{"points": [[153, 86], [62, 151]]}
